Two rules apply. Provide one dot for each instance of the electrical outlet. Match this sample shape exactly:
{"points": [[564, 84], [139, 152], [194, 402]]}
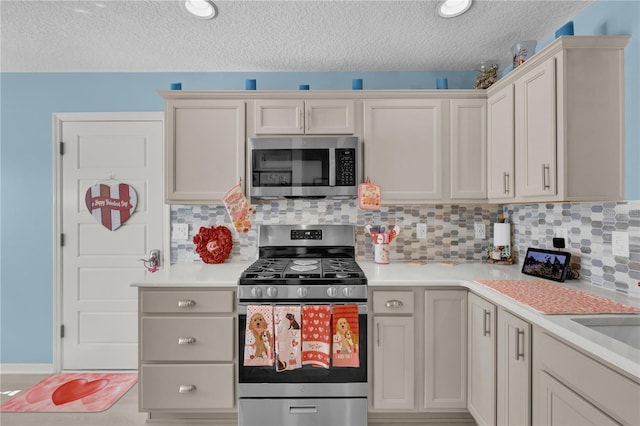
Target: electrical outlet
{"points": [[620, 243], [562, 233], [180, 231], [481, 231], [421, 231]]}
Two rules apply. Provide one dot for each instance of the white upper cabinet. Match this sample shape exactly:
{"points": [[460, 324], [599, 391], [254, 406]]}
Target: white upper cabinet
{"points": [[500, 145], [568, 124], [468, 155], [204, 149], [310, 116], [403, 146]]}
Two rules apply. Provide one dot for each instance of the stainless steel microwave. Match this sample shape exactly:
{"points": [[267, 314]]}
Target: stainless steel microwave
{"points": [[305, 167]]}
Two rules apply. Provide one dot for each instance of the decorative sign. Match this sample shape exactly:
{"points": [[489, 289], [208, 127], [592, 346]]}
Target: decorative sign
{"points": [[369, 196], [111, 205], [239, 209]]}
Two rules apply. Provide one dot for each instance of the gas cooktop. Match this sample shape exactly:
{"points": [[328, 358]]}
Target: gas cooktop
{"points": [[280, 270]]}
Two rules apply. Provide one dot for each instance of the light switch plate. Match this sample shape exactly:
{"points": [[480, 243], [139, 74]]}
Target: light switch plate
{"points": [[180, 231], [620, 243], [421, 231], [480, 230]]}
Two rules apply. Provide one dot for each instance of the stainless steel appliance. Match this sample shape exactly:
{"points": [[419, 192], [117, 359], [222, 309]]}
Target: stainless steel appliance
{"points": [[305, 167], [334, 396]]}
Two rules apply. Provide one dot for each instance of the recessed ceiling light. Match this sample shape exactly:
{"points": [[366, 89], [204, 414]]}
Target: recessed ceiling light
{"points": [[453, 8], [203, 9]]}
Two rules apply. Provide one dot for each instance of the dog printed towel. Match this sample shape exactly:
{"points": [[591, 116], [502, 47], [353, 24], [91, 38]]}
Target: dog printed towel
{"points": [[345, 336], [316, 335], [288, 337], [258, 346]]}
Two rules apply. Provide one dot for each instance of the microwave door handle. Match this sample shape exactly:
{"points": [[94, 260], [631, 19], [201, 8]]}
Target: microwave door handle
{"points": [[332, 167]]}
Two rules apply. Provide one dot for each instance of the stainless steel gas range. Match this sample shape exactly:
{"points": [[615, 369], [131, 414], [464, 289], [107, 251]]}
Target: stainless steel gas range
{"points": [[303, 329]]}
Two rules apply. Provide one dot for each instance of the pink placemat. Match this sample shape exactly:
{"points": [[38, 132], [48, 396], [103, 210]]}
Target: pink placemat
{"points": [[549, 298]]}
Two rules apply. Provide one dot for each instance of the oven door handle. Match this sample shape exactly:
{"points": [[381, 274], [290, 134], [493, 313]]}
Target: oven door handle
{"points": [[303, 409], [242, 307]]}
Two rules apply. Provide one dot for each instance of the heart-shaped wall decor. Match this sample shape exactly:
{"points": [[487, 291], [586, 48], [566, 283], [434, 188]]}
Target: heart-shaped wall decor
{"points": [[111, 205]]}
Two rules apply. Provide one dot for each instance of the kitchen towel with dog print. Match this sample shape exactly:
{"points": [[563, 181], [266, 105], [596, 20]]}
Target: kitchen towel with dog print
{"points": [[316, 335], [288, 333], [345, 336], [258, 343]]}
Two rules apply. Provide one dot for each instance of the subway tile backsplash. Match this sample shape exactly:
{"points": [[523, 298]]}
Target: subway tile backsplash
{"points": [[450, 232]]}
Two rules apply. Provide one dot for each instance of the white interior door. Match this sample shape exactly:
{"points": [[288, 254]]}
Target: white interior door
{"points": [[98, 306]]}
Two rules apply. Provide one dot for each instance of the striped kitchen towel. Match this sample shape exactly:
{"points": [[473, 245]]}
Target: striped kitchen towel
{"points": [[345, 336], [316, 335]]}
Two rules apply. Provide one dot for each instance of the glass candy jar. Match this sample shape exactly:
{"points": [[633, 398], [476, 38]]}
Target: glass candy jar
{"points": [[487, 74]]}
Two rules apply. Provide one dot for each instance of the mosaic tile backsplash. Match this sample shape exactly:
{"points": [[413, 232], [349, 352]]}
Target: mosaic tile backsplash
{"points": [[450, 232]]}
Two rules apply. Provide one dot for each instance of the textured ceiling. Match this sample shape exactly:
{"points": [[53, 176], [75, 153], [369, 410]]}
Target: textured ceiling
{"points": [[143, 35]]}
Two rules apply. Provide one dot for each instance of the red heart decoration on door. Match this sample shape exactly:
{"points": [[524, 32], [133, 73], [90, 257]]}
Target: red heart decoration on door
{"points": [[76, 389], [111, 205]]}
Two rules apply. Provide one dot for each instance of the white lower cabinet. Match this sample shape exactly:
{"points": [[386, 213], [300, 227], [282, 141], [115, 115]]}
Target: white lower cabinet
{"points": [[393, 350], [445, 350], [514, 370], [482, 360], [187, 352], [419, 354], [572, 388]]}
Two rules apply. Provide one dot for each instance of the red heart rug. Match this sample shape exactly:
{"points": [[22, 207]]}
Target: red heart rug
{"points": [[73, 392]]}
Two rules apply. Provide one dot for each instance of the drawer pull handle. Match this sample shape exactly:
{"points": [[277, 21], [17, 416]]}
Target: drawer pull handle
{"points": [[486, 330], [186, 340], [186, 303], [186, 388], [394, 304]]}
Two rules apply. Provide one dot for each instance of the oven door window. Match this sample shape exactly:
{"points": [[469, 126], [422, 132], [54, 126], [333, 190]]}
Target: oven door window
{"points": [[308, 373], [290, 167]]}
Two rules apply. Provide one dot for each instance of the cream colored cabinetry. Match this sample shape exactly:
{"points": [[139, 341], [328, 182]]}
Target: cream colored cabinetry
{"points": [[572, 388], [419, 354], [393, 350], [204, 149], [500, 145], [404, 142], [468, 155], [445, 350], [481, 392], [298, 116], [514, 370], [568, 137], [187, 356]]}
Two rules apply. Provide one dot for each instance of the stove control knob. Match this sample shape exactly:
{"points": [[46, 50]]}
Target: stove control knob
{"points": [[302, 292], [256, 292], [332, 292], [347, 291], [272, 291]]}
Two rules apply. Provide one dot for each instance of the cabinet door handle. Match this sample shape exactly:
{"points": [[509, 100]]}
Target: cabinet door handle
{"points": [[545, 176], [186, 303], [301, 118], [485, 324], [519, 348], [186, 388], [505, 182], [378, 333], [186, 340], [307, 122], [394, 304]]}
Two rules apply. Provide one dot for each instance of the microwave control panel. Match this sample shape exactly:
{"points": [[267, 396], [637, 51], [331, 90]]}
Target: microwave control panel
{"points": [[345, 167]]}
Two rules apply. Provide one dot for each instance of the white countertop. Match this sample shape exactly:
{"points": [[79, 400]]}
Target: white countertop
{"points": [[618, 355]]}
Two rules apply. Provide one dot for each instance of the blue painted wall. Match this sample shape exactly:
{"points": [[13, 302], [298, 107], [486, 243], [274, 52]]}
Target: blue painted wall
{"points": [[28, 101]]}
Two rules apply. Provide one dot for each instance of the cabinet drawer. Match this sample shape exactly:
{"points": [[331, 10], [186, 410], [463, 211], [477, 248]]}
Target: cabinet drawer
{"points": [[158, 301], [613, 393], [393, 302], [187, 339], [186, 387]]}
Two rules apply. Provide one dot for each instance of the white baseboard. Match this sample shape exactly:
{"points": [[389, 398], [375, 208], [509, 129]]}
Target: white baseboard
{"points": [[27, 369]]}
